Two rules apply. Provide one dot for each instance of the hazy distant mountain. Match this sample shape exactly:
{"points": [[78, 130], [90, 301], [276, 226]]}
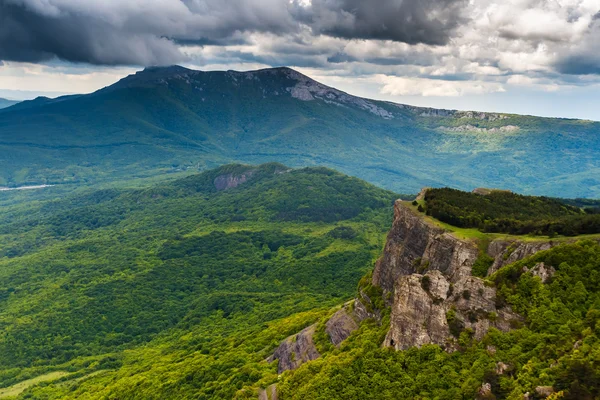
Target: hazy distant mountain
{"points": [[166, 119], [7, 103]]}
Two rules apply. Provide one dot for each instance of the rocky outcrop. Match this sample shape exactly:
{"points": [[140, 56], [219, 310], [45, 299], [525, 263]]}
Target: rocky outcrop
{"points": [[229, 181], [542, 271], [422, 193], [432, 309], [434, 297], [296, 350], [544, 391], [485, 392], [340, 326], [415, 246], [270, 393], [306, 89], [475, 129], [507, 252]]}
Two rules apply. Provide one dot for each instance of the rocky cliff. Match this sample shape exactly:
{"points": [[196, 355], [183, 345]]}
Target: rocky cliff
{"points": [[296, 350], [425, 275]]}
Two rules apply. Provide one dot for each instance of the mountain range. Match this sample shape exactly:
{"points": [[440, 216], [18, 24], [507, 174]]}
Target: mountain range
{"points": [[7, 103], [173, 119]]}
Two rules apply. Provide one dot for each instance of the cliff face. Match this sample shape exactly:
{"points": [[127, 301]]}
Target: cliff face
{"points": [[434, 297], [431, 308], [296, 350], [425, 276], [414, 246]]}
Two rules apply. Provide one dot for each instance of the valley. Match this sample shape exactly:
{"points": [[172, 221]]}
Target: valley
{"points": [[241, 282]]}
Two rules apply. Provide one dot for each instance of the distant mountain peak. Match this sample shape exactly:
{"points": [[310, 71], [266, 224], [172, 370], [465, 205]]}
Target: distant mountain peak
{"points": [[275, 82]]}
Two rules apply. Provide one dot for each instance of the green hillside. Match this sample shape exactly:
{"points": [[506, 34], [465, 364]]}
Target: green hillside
{"points": [[175, 120], [557, 346], [179, 289]]}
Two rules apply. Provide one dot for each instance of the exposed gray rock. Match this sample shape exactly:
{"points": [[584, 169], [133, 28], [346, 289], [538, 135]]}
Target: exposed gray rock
{"points": [[296, 350], [543, 271], [485, 392], [474, 129], [415, 246], [433, 312], [363, 309], [422, 193], [435, 297], [501, 368], [229, 181], [340, 326], [508, 252], [480, 115], [306, 89], [270, 393]]}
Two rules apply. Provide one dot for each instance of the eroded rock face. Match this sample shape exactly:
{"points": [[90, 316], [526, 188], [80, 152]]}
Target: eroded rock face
{"points": [[415, 246], [270, 393], [296, 350], [340, 326], [508, 252], [435, 297], [229, 181], [543, 271], [431, 309], [307, 89]]}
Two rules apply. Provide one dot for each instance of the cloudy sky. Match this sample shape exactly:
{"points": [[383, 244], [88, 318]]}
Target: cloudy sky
{"points": [[537, 57]]}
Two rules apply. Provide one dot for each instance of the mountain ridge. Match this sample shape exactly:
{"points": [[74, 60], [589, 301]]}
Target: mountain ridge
{"points": [[172, 119], [4, 103]]}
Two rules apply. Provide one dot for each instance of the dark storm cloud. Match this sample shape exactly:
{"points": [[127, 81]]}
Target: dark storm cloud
{"points": [[409, 21], [579, 64], [584, 57], [129, 32], [32, 35], [150, 32]]}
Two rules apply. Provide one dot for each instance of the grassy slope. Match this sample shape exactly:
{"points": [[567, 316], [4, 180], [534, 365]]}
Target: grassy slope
{"points": [[178, 288]]}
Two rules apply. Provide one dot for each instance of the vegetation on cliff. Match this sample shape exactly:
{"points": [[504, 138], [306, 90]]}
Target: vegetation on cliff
{"points": [[557, 346], [511, 213]]}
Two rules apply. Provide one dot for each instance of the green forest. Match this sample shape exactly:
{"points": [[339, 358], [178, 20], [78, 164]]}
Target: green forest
{"points": [[183, 289], [506, 212], [178, 290]]}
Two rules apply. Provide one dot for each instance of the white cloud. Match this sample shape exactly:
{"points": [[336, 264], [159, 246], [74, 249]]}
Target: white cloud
{"points": [[401, 86]]}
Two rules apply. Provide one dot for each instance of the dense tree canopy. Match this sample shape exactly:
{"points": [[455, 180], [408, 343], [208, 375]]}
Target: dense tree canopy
{"points": [[507, 212]]}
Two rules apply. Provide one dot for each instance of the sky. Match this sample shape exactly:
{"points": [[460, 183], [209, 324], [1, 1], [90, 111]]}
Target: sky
{"points": [[539, 57]]}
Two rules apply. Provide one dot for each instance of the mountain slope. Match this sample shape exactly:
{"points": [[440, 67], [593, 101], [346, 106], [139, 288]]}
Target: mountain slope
{"points": [[192, 268], [189, 289], [173, 119], [7, 103]]}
